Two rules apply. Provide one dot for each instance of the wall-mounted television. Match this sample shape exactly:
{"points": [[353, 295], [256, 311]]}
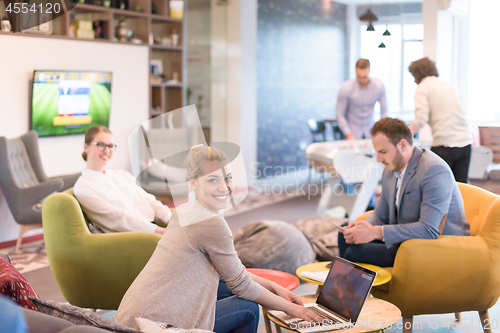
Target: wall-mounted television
{"points": [[66, 102]]}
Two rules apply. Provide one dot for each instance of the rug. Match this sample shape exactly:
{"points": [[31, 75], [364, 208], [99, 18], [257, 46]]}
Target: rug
{"points": [[31, 256]]}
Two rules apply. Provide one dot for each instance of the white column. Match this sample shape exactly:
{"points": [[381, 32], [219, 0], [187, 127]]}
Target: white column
{"points": [[429, 19], [218, 62], [353, 38], [241, 116]]}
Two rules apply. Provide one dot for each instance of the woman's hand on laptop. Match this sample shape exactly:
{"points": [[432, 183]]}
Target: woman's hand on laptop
{"points": [[286, 294], [284, 302], [276, 289], [299, 311]]}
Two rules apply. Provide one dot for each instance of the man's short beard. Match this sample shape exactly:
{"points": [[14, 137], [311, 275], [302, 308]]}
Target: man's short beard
{"points": [[399, 162]]}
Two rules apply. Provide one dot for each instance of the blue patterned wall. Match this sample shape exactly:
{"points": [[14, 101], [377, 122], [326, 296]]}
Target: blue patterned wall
{"points": [[301, 64]]}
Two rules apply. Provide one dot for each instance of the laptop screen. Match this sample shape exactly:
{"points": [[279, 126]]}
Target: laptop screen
{"points": [[346, 288]]}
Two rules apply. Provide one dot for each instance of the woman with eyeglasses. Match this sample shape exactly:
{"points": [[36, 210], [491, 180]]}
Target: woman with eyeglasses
{"points": [[111, 199], [180, 283]]}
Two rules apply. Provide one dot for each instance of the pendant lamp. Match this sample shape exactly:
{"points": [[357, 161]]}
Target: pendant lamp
{"points": [[368, 16]]}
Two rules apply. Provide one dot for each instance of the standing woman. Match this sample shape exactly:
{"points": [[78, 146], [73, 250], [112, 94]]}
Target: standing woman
{"points": [[438, 104], [110, 198], [180, 285]]}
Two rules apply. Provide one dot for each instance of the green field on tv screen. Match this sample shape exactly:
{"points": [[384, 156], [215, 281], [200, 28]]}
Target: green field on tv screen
{"points": [[49, 120]]}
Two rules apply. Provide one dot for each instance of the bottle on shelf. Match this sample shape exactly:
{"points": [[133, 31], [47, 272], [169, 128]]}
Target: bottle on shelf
{"points": [[154, 8], [174, 38], [122, 30], [176, 9], [124, 4]]}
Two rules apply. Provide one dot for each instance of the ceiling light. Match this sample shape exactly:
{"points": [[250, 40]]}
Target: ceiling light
{"points": [[370, 27], [368, 16], [386, 32], [381, 46]]}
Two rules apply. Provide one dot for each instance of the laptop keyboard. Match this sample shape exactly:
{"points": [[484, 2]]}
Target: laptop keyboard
{"points": [[323, 315]]}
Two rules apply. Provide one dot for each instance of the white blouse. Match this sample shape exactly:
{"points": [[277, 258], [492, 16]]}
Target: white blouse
{"points": [[114, 202]]}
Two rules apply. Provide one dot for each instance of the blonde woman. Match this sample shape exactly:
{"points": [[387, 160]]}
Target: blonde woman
{"points": [[180, 284], [111, 199]]}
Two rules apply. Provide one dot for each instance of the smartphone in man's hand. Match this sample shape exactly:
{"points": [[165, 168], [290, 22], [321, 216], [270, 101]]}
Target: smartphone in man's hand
{"points": [[339, 226]]}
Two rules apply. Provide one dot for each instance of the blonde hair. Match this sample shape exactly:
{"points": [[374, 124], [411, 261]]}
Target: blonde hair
{"points": [[201, 153], [90, 135]]}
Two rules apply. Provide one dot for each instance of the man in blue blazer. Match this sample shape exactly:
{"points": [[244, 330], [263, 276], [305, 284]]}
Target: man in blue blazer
{"points": [[418, 193]]}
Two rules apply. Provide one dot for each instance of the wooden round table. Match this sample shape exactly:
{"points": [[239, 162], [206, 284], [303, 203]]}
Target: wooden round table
{"points": [[375, 316], [383, 275]]}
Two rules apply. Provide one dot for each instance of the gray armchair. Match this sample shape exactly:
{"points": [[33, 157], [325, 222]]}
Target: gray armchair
{"points": [[24, 183]]}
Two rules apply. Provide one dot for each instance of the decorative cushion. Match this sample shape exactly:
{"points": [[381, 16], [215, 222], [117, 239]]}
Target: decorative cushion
{"points": [[148, 326], [79, 316], [273, 245], [14, 286]]}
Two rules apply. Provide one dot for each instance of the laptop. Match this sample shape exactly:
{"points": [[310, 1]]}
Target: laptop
{"points": [[339, 303]]}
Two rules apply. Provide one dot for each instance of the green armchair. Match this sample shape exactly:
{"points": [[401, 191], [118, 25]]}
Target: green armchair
{"points": [[92, 270], [450, 274]]}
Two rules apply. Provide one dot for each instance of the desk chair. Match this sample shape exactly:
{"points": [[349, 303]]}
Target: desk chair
{"points": [[317, 127], [337, 132]]}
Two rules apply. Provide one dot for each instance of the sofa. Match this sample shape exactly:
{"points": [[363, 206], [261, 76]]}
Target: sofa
{"points": [[43, 323]]}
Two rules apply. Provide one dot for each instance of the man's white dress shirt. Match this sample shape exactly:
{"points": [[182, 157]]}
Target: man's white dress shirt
{"points": [[399, 181]]}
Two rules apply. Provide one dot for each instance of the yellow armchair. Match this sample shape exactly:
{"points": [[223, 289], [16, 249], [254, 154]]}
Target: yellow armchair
{"points": [[452, 273]]}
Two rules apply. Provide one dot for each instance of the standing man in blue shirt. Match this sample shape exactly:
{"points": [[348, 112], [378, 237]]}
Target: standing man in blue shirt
{"points": [[356, 100]]}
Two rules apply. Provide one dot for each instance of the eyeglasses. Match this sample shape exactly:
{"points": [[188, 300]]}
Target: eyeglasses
{"points": [[102, 146]]}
